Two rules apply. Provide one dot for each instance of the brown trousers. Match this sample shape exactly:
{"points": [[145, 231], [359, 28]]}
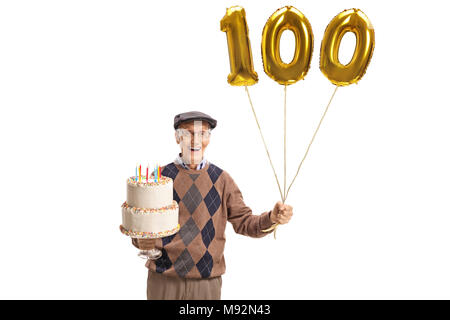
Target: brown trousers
{"points": [[161, 287]]}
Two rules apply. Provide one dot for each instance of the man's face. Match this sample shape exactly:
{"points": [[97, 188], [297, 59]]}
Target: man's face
{"points": [[193, 140]]}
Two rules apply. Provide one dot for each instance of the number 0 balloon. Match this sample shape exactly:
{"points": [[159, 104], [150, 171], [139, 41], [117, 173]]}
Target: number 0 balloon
{"points": [[287, 18], [355, 21]]}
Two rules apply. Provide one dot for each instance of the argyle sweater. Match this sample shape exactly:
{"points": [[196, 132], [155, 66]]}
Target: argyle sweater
{"points": [[207, 199]]}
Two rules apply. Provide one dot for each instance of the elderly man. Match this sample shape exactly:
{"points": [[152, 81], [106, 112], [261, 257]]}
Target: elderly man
{"points": [[192, 260]]}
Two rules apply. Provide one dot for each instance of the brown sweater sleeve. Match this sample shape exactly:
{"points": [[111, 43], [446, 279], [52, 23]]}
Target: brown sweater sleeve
{"points": [[240, 216]]}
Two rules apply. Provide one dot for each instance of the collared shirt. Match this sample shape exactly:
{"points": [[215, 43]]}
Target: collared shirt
{"points": [[179, 160]]}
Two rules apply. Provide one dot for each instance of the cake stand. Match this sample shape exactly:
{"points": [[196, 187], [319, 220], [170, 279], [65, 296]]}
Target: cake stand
{"points": [[154, 253]]}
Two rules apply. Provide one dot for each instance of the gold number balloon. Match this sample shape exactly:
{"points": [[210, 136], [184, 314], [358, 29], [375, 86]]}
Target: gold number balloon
{"points": [[240, 53], [287, 18], [352, 20]]}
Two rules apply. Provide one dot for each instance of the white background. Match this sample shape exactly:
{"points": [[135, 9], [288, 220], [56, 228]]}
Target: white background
{"points": [[89, 88]]}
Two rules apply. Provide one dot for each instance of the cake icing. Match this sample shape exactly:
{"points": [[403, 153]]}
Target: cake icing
{"points": [[150, 211], [150, 194]]}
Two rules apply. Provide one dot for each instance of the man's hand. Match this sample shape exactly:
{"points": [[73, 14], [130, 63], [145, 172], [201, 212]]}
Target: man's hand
{"points": [[146, 244], [281, 213]]}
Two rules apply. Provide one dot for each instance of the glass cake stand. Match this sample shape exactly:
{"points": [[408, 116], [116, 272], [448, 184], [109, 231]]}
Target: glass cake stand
{"points": [[151, 254]]}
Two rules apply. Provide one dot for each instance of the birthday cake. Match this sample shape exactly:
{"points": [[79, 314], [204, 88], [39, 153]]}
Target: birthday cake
{"points": [[150, 211]]}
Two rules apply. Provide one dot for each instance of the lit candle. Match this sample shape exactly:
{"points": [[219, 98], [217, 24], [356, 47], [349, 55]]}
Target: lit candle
{"points": [[159, 173], [154, 174], [139, 173], [135, 177], [147, 173]]}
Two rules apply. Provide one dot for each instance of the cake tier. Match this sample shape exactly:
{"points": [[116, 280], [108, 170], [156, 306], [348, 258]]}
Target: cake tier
{"points": [[150, 223], [150, 194]]}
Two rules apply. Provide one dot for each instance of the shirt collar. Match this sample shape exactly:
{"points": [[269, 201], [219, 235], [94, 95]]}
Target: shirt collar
{"points": [[179, 160]]}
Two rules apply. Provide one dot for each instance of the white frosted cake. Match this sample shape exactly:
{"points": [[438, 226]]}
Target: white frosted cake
{"points": [[150, 211]]}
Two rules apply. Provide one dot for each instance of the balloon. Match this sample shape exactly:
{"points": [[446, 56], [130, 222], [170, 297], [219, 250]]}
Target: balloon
{"points": [[352, 20], [292, 19], [239, 51]]}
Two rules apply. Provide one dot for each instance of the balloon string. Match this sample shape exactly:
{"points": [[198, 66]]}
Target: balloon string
{"points": [[262, 137], [312, 140], [283, 198], [284, 193]]}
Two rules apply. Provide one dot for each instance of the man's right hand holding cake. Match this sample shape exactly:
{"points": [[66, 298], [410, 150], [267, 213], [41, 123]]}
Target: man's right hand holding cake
{"points": [[192, 260]]}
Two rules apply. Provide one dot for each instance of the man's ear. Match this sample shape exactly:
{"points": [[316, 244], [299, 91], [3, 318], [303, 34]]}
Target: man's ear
{"points": [[176, 138]]}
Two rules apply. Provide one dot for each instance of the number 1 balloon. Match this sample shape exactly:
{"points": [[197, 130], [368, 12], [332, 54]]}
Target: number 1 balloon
{"points": [[239, 51]]}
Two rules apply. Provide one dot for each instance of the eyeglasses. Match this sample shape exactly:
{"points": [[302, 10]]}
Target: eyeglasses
{"points": [[188, 134]]}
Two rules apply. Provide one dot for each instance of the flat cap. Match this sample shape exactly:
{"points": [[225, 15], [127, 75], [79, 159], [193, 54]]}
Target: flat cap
{"points": [[193, 115]]}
